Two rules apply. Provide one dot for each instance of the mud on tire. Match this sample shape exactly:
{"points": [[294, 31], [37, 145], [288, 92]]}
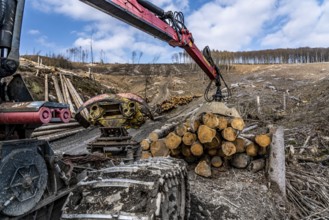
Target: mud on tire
{"points": [[149, 189]]}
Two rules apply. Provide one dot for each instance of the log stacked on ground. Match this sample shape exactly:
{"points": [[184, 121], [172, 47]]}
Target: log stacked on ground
{"points": [[209, 140]]}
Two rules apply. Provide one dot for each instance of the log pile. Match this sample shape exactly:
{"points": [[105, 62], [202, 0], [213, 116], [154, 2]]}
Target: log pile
{"points": [[173, 102], [210, 141]]}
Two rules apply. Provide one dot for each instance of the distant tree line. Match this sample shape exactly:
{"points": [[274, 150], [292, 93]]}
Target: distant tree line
{"points": [[275, 56]]}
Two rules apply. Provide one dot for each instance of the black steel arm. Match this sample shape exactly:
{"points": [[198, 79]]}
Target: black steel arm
{"points": [[11, 16]]}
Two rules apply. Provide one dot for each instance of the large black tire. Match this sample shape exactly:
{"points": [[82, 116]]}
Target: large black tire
{"points": [[148, 189]]}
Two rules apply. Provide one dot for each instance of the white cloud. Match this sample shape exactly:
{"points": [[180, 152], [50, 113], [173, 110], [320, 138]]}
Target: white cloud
{"points": [[221, 24], [229, 25], [110, 35], [307, 25], [33, 32]]}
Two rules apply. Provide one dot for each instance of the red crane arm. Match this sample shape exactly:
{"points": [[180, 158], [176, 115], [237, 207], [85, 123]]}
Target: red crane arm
{"points": [[153, 20]]}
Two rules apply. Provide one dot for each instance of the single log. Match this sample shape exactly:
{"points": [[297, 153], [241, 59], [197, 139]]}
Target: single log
{"points": [[154, 135], [76, 97], [67, 96], [240, 145], [43, 133], [240, 160], [209, 119], [180, 130], [277, 165], [257, 165], [237, 123], [159, 149], [228, 148], [222, 123], [252, 149], [186, 151], [263, 140], [145, 144], [206, 134], [56, 126], [229, 134], [215, 142], [162, 132], [189, 138], [197, 149], [203, 169], [172, 141], [212, 152], [58, 90], [216, 161], [59, 135], [146, 155], [46, 88]]}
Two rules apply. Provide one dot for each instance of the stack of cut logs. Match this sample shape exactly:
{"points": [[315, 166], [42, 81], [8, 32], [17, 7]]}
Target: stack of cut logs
{"points": [[209, 140], [175, 101]]}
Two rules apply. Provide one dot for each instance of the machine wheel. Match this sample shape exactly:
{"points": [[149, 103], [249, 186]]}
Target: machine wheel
{"points": [[23, 181], [148, 189]]}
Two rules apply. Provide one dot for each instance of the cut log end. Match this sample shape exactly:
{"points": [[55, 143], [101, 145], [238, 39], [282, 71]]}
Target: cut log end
{"points": [[263, 140], [209, 119], [228, 148], [216, 161], [172, 141], [189, 138], [145, 144], [197, 149], [159, 149], [222, 123], [252, 149], [229, 134], [238, 124], [206, 134], [203, 169]]}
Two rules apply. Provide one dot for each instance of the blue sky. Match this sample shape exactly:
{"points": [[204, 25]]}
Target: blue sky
{"points": [[53, 26]]}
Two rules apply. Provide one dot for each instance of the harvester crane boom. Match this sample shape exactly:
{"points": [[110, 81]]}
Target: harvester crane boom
{"points": [[167, 26]]}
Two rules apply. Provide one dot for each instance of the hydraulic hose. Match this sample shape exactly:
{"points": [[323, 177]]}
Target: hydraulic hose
{"points": [[3, 7]]}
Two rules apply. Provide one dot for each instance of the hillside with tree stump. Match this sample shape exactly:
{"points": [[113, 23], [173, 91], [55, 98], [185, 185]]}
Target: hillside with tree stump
{"points": [[228, 157]]}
